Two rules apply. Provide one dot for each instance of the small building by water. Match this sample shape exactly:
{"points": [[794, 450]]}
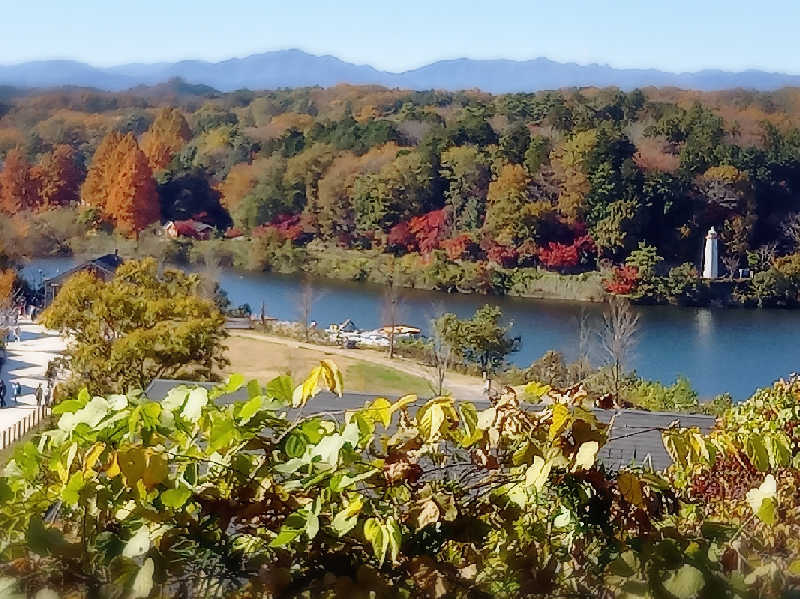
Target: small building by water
{"points": [[103, 268]]}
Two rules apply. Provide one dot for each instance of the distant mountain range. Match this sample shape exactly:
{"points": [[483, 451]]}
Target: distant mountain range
{"points": [[295, 68]]}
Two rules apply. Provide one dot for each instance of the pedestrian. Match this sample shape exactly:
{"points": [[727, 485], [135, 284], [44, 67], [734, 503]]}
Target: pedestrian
{"points": [[18, 332], [2, 393], [39, 394], [17, 392]]}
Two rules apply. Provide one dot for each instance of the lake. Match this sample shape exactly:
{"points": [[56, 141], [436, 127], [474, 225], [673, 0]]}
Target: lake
{"points": [[718, 350]]}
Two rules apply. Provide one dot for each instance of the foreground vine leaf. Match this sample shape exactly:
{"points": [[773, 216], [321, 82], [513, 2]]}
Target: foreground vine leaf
{"points": [[443, 501], [762, 499], [685, 583]]}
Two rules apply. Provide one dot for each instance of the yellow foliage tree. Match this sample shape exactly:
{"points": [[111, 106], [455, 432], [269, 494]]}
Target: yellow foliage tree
{"points": [[165, 137], [507, 198], [569, 163]]}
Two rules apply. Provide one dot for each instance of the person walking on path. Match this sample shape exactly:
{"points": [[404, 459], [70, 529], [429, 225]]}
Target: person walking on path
{"points": [[2, 393], [17, 392], [39, 394]]}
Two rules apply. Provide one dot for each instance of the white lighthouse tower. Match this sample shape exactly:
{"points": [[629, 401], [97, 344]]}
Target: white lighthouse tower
{"points": [[711, 256]]}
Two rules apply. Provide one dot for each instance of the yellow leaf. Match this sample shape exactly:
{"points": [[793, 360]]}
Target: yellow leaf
{"points": [[794, 567], [560, 418], [92, 456], [537, 473], [429, 514], [132, 464], [430, 420], [586, 455], [307, 389], [403, 402], [333, 376], [113, 468], [156, 471], [381, 409], [536, 389], [354, 507], [631, 488]]}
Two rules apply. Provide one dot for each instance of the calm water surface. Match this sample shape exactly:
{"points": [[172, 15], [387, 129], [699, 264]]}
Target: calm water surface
{"points": [[717, 349]]}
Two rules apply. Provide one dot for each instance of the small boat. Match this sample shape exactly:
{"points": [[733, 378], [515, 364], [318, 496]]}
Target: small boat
{"points": [[401, 330]]}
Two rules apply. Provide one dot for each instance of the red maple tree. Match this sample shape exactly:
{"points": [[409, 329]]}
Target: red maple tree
{"points": [[623, 281], [429, 229]]}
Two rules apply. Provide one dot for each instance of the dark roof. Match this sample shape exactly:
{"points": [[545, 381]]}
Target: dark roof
{"points": [[324, 402], [635, 438], [108, 264]]}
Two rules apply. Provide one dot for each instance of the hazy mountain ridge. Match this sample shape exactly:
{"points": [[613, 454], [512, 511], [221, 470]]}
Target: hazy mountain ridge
{"points": [[295, 68]]}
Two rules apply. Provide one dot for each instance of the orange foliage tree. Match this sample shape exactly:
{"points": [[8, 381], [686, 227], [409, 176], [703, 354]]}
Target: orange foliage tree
{"points": [[165, 137], [132, 201], [58, 177], [8, 279], [95, 189], [17, 186], [240, 181]]}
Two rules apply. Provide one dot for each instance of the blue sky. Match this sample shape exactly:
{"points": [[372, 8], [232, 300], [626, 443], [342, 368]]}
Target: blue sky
{"points": [[674, 35]]}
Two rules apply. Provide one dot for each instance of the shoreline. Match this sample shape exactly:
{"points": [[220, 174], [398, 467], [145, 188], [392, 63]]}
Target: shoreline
{"points": [[541, 285]]}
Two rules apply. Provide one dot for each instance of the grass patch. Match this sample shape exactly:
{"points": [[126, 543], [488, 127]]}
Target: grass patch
{"points": [[378, 378], [263, 360]]}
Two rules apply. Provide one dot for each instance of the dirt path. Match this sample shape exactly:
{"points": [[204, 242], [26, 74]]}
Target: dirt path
{"points": [[462, 386]]}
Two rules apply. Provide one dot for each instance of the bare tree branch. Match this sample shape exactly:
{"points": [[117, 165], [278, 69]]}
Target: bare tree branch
{"points": [[617, 335]]}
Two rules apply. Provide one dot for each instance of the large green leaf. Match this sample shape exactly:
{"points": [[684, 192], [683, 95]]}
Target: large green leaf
{"points": [[43, 540], [430, 420], [223, 432], [343, 522], [250, 408], [469, 420], [195, 402], [70, 493], [234, 383], [762, 499], [175, 498], [294, 525], [376, 534], [295, 445], [586, 455], [281, 388]]}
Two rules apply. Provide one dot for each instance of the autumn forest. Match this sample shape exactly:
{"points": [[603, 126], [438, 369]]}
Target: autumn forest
{"points": [[476, 192]]}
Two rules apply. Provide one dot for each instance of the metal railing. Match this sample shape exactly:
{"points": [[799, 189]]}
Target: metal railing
{"points": [[19, 429]]}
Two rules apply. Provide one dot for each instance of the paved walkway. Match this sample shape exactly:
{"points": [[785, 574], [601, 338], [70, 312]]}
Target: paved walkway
{"points": [[26, 362]]}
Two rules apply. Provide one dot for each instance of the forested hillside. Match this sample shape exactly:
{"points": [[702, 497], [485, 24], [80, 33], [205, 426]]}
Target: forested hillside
{"points": [[571, 181]]}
